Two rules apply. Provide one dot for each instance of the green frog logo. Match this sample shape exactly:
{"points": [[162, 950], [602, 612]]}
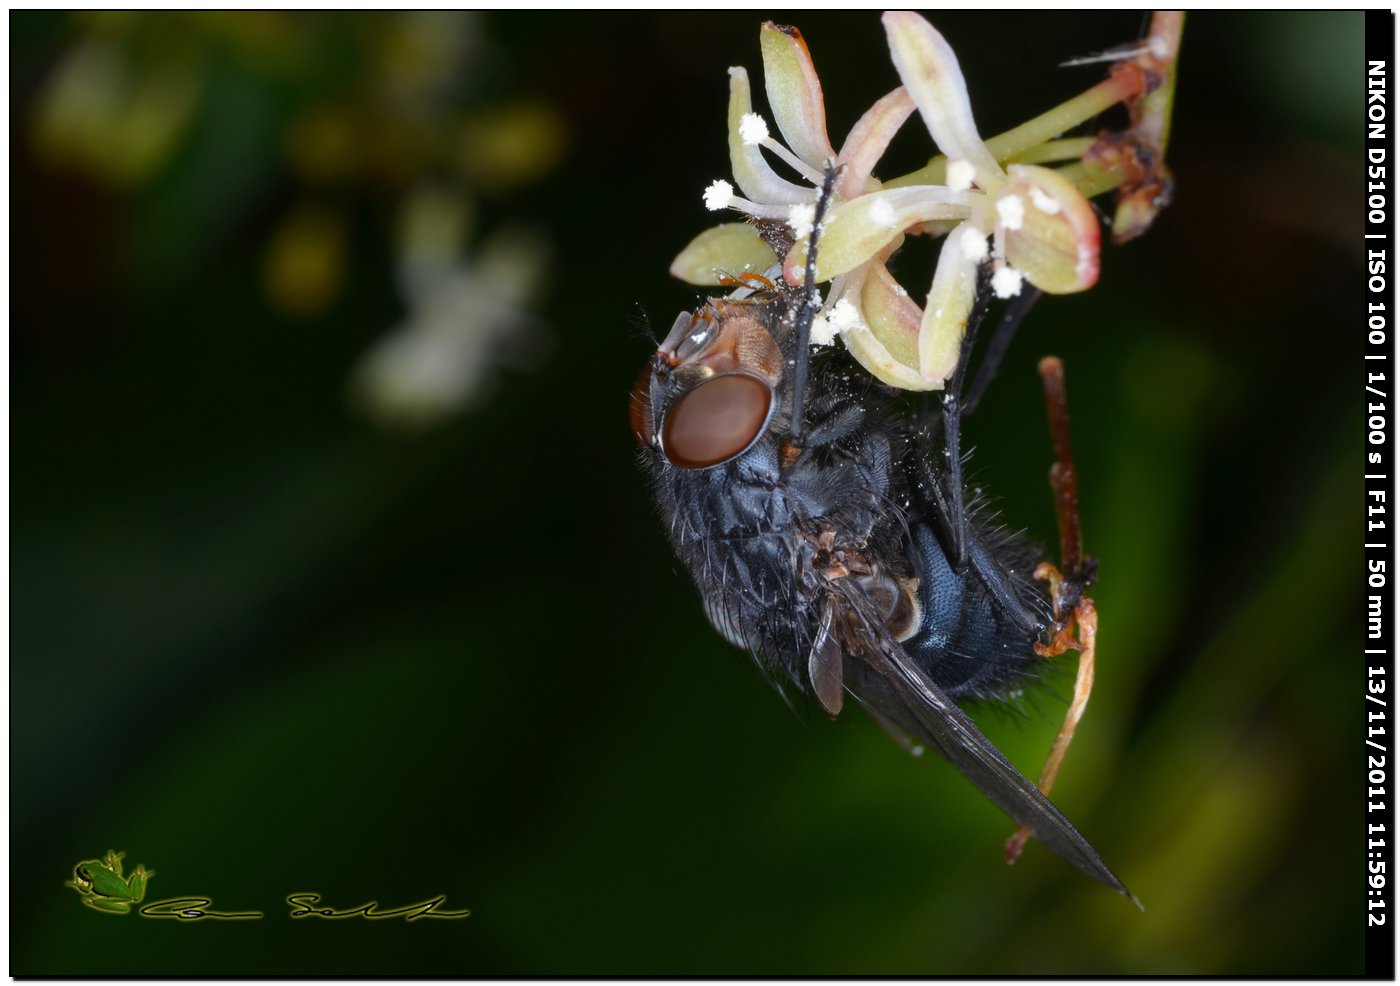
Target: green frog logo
{"points": [[103, 888]]}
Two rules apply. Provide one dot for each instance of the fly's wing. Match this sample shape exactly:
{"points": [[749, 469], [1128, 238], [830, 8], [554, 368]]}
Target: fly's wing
{"points": [[948, 729]]}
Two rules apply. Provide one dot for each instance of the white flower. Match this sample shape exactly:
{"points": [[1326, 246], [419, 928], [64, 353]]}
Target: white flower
{"points": [[979, 204]]}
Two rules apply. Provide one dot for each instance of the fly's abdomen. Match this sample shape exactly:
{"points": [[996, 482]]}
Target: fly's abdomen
{"points": [[965, 643]]}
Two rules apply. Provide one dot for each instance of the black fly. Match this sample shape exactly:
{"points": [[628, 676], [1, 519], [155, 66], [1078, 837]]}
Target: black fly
{"points": [[830, 538]]}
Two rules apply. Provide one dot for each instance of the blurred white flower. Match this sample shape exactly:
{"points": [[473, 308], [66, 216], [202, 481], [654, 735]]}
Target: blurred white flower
{"points": [[467, 316]]}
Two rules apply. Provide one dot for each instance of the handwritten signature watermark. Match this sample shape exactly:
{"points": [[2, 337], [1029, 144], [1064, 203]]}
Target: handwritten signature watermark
{"points": [[103, 887]]}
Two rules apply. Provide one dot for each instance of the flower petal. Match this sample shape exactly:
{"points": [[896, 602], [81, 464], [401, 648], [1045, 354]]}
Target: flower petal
{"points": [[888, 344], [869, 138], [870, 298], [929, 70], [949, 304], [730, 248], [858, 229], [751, 170], [1057, 243], [795, 93]]}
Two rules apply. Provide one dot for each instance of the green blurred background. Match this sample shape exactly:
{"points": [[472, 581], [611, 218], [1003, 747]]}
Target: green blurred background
{"points": [[290, 613]]}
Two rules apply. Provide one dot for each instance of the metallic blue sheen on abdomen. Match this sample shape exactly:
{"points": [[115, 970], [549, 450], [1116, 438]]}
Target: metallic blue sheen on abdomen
{"points": [[963, 642]]}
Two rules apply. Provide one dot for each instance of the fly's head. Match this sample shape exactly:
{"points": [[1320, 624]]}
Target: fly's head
{"points": [[714, 387]]}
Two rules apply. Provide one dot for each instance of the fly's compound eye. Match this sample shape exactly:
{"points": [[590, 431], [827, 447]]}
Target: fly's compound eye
{"points": [[716, 421]]}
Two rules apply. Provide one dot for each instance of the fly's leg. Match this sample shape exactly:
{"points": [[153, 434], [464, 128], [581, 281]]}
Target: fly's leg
{"points": [[1084, 621], [1076, 621], [963, 548], [953, 510], [806, 312], [1016, 313], [1078, 571], [957, 405]]}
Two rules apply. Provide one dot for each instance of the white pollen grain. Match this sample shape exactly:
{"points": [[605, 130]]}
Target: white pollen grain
{"points": [[960, 175], [753, 129], [845, 316], [823, 332], [973, 243], [881, 213], [800, 218], [719, 195], [1006, 282], [1011, 211]]}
